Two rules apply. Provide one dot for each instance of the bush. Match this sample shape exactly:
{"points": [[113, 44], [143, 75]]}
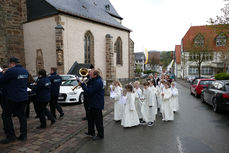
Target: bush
{"points": [[222, 76], [148, 71]]}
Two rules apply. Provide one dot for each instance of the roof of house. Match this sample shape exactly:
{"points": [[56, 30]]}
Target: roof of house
{"points": [[139, 56], [209, 33], [101, 11], [178, 54]]}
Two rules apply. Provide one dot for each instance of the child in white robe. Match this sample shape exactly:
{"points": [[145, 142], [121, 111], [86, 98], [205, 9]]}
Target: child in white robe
{"points": [[118, 107], [130, 116], [174, 99], [167, 110], [148, 111], [153, 90], [138, 102], [159, 89]]}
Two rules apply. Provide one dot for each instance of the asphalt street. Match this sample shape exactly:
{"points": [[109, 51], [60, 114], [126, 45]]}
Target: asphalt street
{"points": [[196, 129]]}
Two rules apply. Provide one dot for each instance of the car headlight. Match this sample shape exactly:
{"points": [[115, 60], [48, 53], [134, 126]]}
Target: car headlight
{"points": [[71, 93]]}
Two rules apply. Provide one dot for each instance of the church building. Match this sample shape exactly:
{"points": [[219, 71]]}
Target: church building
{"points": [[60, 32]]}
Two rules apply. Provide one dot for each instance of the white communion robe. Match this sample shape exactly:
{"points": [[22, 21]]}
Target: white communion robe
{"points": [[174, 99], [154, 98], [130, 116], [118, 107], [138, 103], [159, 98], [167, 110], [148, 111]]}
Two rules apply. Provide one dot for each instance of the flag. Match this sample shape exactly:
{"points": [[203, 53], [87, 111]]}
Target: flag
{"points": [[146, 55]]}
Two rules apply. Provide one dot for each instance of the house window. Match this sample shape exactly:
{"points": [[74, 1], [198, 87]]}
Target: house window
{"points": [[199, 41], [207, 70], [118, 50], [193, 71], [88, 48], [221, 40]]}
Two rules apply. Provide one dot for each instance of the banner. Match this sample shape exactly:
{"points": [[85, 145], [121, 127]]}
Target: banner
{"points": [[147, 56]]}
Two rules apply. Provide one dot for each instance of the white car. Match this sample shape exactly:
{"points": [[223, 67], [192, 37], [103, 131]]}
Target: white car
{"points": [[66, 77], [68, 95]]}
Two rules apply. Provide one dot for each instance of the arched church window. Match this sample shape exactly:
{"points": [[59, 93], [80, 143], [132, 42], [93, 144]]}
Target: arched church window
{"points": [[118, 50], [88, 48]]}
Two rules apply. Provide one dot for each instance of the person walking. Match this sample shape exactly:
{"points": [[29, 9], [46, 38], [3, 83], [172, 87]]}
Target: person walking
{"points": [[43, 96], [55, 90], [95, 92], [14, 81]]}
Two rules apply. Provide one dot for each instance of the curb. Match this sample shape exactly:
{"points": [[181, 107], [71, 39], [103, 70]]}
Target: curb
{"points": [[55, 146]]}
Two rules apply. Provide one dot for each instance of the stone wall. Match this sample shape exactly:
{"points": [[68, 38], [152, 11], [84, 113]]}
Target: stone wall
{"points": [[12, 15], [131, 59]]}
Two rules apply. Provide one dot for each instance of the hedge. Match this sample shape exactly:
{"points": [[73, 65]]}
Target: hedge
{"points": [[222, 76]]}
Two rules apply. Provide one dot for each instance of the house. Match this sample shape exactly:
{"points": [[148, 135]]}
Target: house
{"points": [[139, 60], [207, 43], [177, 64], [61, 32]]}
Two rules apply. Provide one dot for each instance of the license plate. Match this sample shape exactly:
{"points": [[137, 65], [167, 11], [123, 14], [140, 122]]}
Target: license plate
{"points": [[60, 98]]}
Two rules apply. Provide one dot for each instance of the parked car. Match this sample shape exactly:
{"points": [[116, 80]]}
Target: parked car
{"points": [[68, 95], [190, 78], [66, 77], [217, 95], [198, 85]]}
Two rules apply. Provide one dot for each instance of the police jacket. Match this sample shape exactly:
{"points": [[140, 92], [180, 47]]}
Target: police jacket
{"points": [[43, 89], [55, 84], [95, 92], [14, 81]]}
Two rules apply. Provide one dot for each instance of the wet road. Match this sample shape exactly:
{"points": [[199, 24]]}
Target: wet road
{"points": [[196, 129]]}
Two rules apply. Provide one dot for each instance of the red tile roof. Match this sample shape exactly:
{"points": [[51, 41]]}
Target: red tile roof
{"points": [[209, 33], [178, 54]]}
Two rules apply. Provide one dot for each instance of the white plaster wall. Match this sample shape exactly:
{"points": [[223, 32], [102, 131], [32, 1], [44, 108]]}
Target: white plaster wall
{"points": [[40, 34], [74, 32]]}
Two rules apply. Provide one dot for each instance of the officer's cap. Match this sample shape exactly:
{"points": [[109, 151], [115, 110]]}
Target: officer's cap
{"points": [[14, 60]]}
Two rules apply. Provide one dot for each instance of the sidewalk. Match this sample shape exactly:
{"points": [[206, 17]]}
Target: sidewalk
{"points": [[183, 83], [51, 138]]}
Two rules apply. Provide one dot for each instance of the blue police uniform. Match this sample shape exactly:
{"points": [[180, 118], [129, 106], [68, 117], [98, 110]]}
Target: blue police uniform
{"points": [[43, 96], [94, 90], [14, 82], [56, 81]]}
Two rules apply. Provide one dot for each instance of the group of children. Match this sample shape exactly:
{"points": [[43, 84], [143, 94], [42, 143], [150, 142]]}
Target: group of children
{"points": [[141, 106]]}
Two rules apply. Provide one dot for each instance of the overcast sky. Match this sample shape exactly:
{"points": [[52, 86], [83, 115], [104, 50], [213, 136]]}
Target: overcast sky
{"points": [[161, 24]]}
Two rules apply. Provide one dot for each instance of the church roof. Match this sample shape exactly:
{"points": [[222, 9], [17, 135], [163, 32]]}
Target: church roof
{"points": [[101, 11]]}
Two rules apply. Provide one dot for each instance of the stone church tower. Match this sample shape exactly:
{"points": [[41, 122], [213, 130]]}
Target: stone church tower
{"points": [[12, 16]]}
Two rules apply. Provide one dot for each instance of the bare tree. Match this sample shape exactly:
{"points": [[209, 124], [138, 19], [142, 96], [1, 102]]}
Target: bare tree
{"points": [[198, 57], [224, 19]]}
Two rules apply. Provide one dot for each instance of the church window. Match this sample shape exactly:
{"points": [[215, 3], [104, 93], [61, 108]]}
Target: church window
{"points": [[118, 50], [88, 48]]}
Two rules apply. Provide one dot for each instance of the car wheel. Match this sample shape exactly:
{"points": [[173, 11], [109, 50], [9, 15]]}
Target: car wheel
{"points": [[215, 106], [202, 98], [191, 92], [81, 98]]}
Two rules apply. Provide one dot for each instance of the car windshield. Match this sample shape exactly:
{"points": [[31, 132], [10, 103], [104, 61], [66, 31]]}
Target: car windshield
{"points": [[70, 83], [227, 87], [64, 78], [206, 82]]}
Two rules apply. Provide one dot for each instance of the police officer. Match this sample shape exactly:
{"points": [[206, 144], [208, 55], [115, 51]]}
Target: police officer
{"points": [[14, 81], [43, 96], [3, 97], [55, 89]]}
